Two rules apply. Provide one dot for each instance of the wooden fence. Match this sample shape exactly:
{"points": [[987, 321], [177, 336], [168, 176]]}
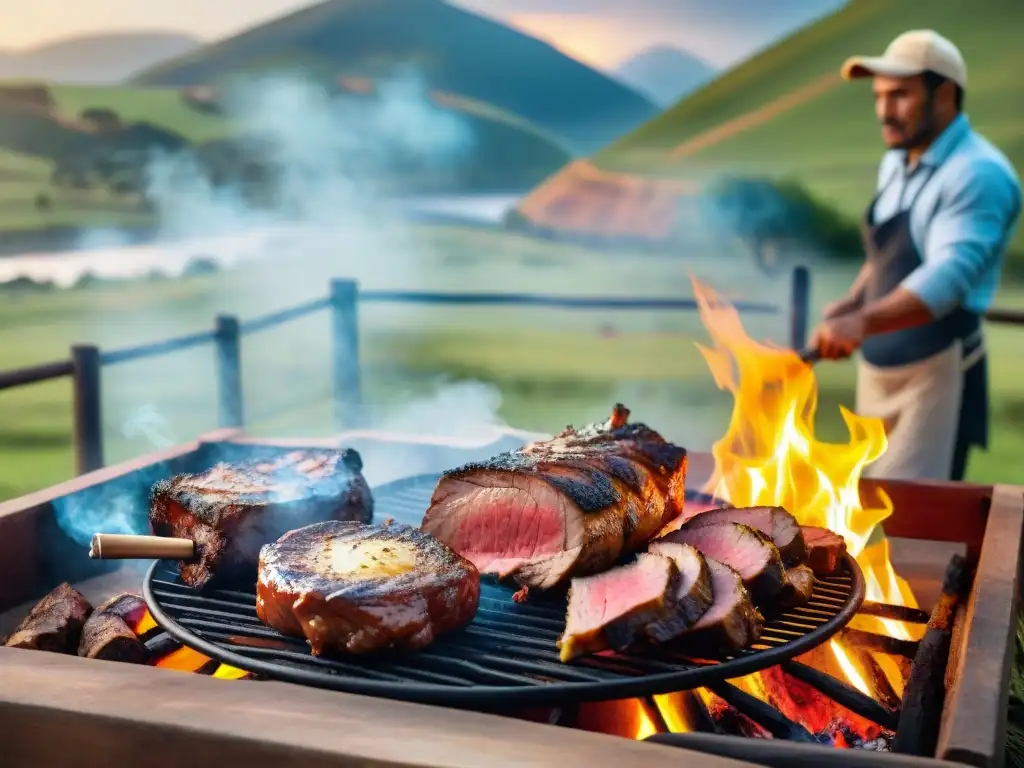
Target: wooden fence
{"points": [[86, 362]]}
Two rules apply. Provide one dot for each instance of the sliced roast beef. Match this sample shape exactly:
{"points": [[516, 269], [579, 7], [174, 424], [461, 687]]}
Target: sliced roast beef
{"points": [[354, 588], [557, 509], [825, 549], [748, 552], [693, 594], [774, 522], [798, 587], [638, 442], [612, 609], [731, 623]]}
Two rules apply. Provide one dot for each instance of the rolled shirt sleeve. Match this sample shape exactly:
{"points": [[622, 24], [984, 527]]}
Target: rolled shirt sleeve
{"points": [[966, 237]]}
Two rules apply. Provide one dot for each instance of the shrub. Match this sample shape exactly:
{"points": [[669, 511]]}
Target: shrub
{"points": [[101, 119]]}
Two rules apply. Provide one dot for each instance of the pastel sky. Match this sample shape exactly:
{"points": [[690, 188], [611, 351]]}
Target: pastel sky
{"points": [[600, 32]]}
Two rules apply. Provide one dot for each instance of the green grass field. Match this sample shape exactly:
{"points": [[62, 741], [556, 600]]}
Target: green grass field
{"points": [[550, 367], [831, 141]]}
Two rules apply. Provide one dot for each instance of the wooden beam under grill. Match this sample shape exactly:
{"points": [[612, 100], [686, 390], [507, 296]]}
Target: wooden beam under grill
{"points": [[110, 714], [974, 718]]}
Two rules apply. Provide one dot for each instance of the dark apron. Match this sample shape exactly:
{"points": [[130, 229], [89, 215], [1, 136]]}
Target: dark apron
{"points": [[890, 248]]}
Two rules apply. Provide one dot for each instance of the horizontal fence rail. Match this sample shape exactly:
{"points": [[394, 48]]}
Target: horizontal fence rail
{"points": [[86, 361]]}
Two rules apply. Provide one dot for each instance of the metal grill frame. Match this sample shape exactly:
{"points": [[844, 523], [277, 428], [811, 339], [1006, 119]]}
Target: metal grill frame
{"points": [[496, 662]]}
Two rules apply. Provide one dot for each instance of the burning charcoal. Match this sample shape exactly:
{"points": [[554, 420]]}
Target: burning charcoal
{"points": [[232, 510], [55, 623]]}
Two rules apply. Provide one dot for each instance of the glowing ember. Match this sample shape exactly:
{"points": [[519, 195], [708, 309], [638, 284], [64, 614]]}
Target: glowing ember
{"points": [[770, 456]]}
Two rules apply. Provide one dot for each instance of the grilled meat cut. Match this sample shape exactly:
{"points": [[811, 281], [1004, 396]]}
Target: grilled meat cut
{"points": [[825, 549], [798, 588], [748, 552], [732, 622], [613, 609], [560, 508], [232, 510], [693, 594], [55, 623], [774, 522], [353, 588]]}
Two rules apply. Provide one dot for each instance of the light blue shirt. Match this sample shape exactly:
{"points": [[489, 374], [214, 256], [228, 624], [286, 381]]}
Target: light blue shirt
{"points": [[964, 216]]}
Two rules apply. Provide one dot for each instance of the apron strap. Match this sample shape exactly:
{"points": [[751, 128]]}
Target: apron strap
{"points": [[973, 357]]}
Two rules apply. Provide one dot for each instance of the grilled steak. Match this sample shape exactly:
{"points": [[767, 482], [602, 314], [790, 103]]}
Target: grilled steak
{"points": [[355, 588], [54, 623], [748, 552], [232, 510], [560, 508], [825, 549], [612, 609], [798, 587], [774, 522], [731, 622], [693, 594]]}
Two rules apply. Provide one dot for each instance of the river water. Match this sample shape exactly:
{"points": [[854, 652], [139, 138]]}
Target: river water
{"points": [[65, 268]]}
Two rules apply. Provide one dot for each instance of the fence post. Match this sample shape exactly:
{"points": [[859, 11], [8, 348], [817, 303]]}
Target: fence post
{"points": [[227, 338], [800, 309], [346, 389], [88, 408]]}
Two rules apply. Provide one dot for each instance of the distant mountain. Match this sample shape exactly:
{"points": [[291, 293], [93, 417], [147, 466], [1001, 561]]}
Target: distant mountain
{"points": [[665, 74], [454, 50], [96, 59]]}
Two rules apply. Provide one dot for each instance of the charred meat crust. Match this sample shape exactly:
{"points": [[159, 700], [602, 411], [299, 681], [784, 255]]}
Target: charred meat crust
{"points": [[764, 582], [610, 488], [798, 588], [693, 594], [231, 510], [825, 549], [732, 622], [55, 623], [300, 592]]}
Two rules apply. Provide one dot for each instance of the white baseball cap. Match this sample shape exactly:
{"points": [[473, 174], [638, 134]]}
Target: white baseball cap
{"points": [[912, 53]]}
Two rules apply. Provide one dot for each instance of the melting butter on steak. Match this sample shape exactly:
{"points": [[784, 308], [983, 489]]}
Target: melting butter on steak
{"points": [[232, 510], [354, 588], [561, 508]]}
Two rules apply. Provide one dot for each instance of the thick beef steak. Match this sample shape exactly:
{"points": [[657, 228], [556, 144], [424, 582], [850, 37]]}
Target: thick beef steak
{"points": [[353, 588], [232, 510]]}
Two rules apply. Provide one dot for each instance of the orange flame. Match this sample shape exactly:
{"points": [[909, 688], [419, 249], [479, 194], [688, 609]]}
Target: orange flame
{"points": [[185, 659], [770, 456]]}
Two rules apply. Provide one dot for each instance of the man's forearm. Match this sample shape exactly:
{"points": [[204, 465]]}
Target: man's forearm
{"points": [[896, 311]]}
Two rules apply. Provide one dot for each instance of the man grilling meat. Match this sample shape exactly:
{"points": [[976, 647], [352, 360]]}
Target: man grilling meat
{"points": [[934, 236]]}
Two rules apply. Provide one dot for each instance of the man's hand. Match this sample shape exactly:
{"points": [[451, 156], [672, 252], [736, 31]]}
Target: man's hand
{"points": [[839, 337], [841, 306]]}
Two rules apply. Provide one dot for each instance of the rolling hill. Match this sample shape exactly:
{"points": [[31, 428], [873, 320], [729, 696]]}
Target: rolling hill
{"points": [[95, 59], [665, 74], [786, 113], [455, 51]]}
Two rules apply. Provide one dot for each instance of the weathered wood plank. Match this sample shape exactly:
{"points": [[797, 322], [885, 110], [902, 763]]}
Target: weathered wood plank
{"points": [[974, 724], [105, 713]]}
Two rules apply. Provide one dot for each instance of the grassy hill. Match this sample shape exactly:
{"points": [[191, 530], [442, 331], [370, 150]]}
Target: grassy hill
{"points": [[95, 59], [786, 112], [40, 135], [455, 50]]}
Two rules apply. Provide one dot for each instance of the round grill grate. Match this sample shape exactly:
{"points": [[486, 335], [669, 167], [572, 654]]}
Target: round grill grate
{"points": [[505, 658]]}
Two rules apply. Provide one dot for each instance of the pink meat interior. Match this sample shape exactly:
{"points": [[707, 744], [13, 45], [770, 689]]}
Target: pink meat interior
{"points": [[731, 544], [501, 528], [724, 591], [597, 600]]}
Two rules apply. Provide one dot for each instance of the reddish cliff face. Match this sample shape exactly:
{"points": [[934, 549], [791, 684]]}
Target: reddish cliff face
{"points": [[585, 200]]}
